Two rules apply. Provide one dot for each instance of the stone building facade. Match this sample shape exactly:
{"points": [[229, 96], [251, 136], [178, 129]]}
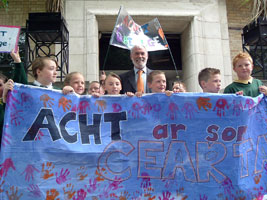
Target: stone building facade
{"points": [[210, 30]]}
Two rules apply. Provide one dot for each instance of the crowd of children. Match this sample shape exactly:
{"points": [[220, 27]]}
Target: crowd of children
{"points": [[45, 73]]}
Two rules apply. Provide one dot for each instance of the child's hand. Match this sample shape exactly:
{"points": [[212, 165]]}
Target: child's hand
{"points": [[239, 93], [138, 94], [168, 92], [8, 86], [263, 89], [67, 89], [96, 94], [15, 56], [129, 94]]}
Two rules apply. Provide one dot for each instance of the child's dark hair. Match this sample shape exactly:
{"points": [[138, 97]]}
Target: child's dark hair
{"points": [[3, 77], [205, 74], [112, 74], [152, 74], [39, 63]]}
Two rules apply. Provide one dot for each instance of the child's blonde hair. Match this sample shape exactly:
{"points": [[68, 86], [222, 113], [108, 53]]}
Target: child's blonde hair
{"points": [[152, 74], [39, 63], [69, 77], [241, 55]]}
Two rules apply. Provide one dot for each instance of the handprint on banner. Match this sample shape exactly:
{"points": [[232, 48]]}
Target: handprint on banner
{"points": [[172, 110], [13, 194], [138, 109], [11, 100], [1, 184], [81, 195], [137, 195], [62, 176], [39, 135], [238, 107], [115, 185], [83, 105], [180, 194], [249, 104], [82, 174], [156, 109], [7, 164], [6, 138], [227, 187], [116, 107], [47, 100], [203, 102], [52, 194], [29, 170], [92, 186], [26, 100], [99, 175], [105, 192], [166, 196], [34, 191], [65, 103], [189, 110], [68, 192], [46, 170], [16, 117], [220, 106], [257, 179], [101, 105], [124, 195], [145, 183]]}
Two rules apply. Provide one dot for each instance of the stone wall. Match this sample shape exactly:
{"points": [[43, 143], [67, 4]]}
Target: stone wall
{"points": [[18, 10]]}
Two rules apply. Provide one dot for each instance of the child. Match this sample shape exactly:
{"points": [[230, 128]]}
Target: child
{"points": [[156, 81], [209, 80], [178, 86], [44, 70], [113, 86], [94, 87], [74, 82], [245, 85]]}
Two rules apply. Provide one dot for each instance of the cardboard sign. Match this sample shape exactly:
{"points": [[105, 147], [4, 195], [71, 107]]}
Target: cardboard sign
{"points": [[9, 37]]}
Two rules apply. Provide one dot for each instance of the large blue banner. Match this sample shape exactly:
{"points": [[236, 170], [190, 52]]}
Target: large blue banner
{"points": [[186, 146]]}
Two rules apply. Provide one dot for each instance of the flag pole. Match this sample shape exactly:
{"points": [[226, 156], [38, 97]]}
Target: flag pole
{"points": [[113, 32], [177, 75]]}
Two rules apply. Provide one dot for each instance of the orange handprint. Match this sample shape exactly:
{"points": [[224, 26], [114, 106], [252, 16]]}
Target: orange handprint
{"points": [[82, 173], [65, 103], [257, 179], [99, 175], [203, 102], [47, 100], [52, 194], [101, 105], [46, 172], [68, 192], [13, 194]]}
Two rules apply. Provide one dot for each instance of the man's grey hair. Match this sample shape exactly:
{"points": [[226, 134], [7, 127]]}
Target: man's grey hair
{"points": [[138, 47]]}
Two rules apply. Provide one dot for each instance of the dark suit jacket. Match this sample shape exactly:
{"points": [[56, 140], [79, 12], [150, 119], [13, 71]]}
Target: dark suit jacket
{"points": [[128, 81]]}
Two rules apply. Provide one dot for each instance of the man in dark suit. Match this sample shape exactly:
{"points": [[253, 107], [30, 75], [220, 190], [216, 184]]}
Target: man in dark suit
{"points": [[129, 79]]}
